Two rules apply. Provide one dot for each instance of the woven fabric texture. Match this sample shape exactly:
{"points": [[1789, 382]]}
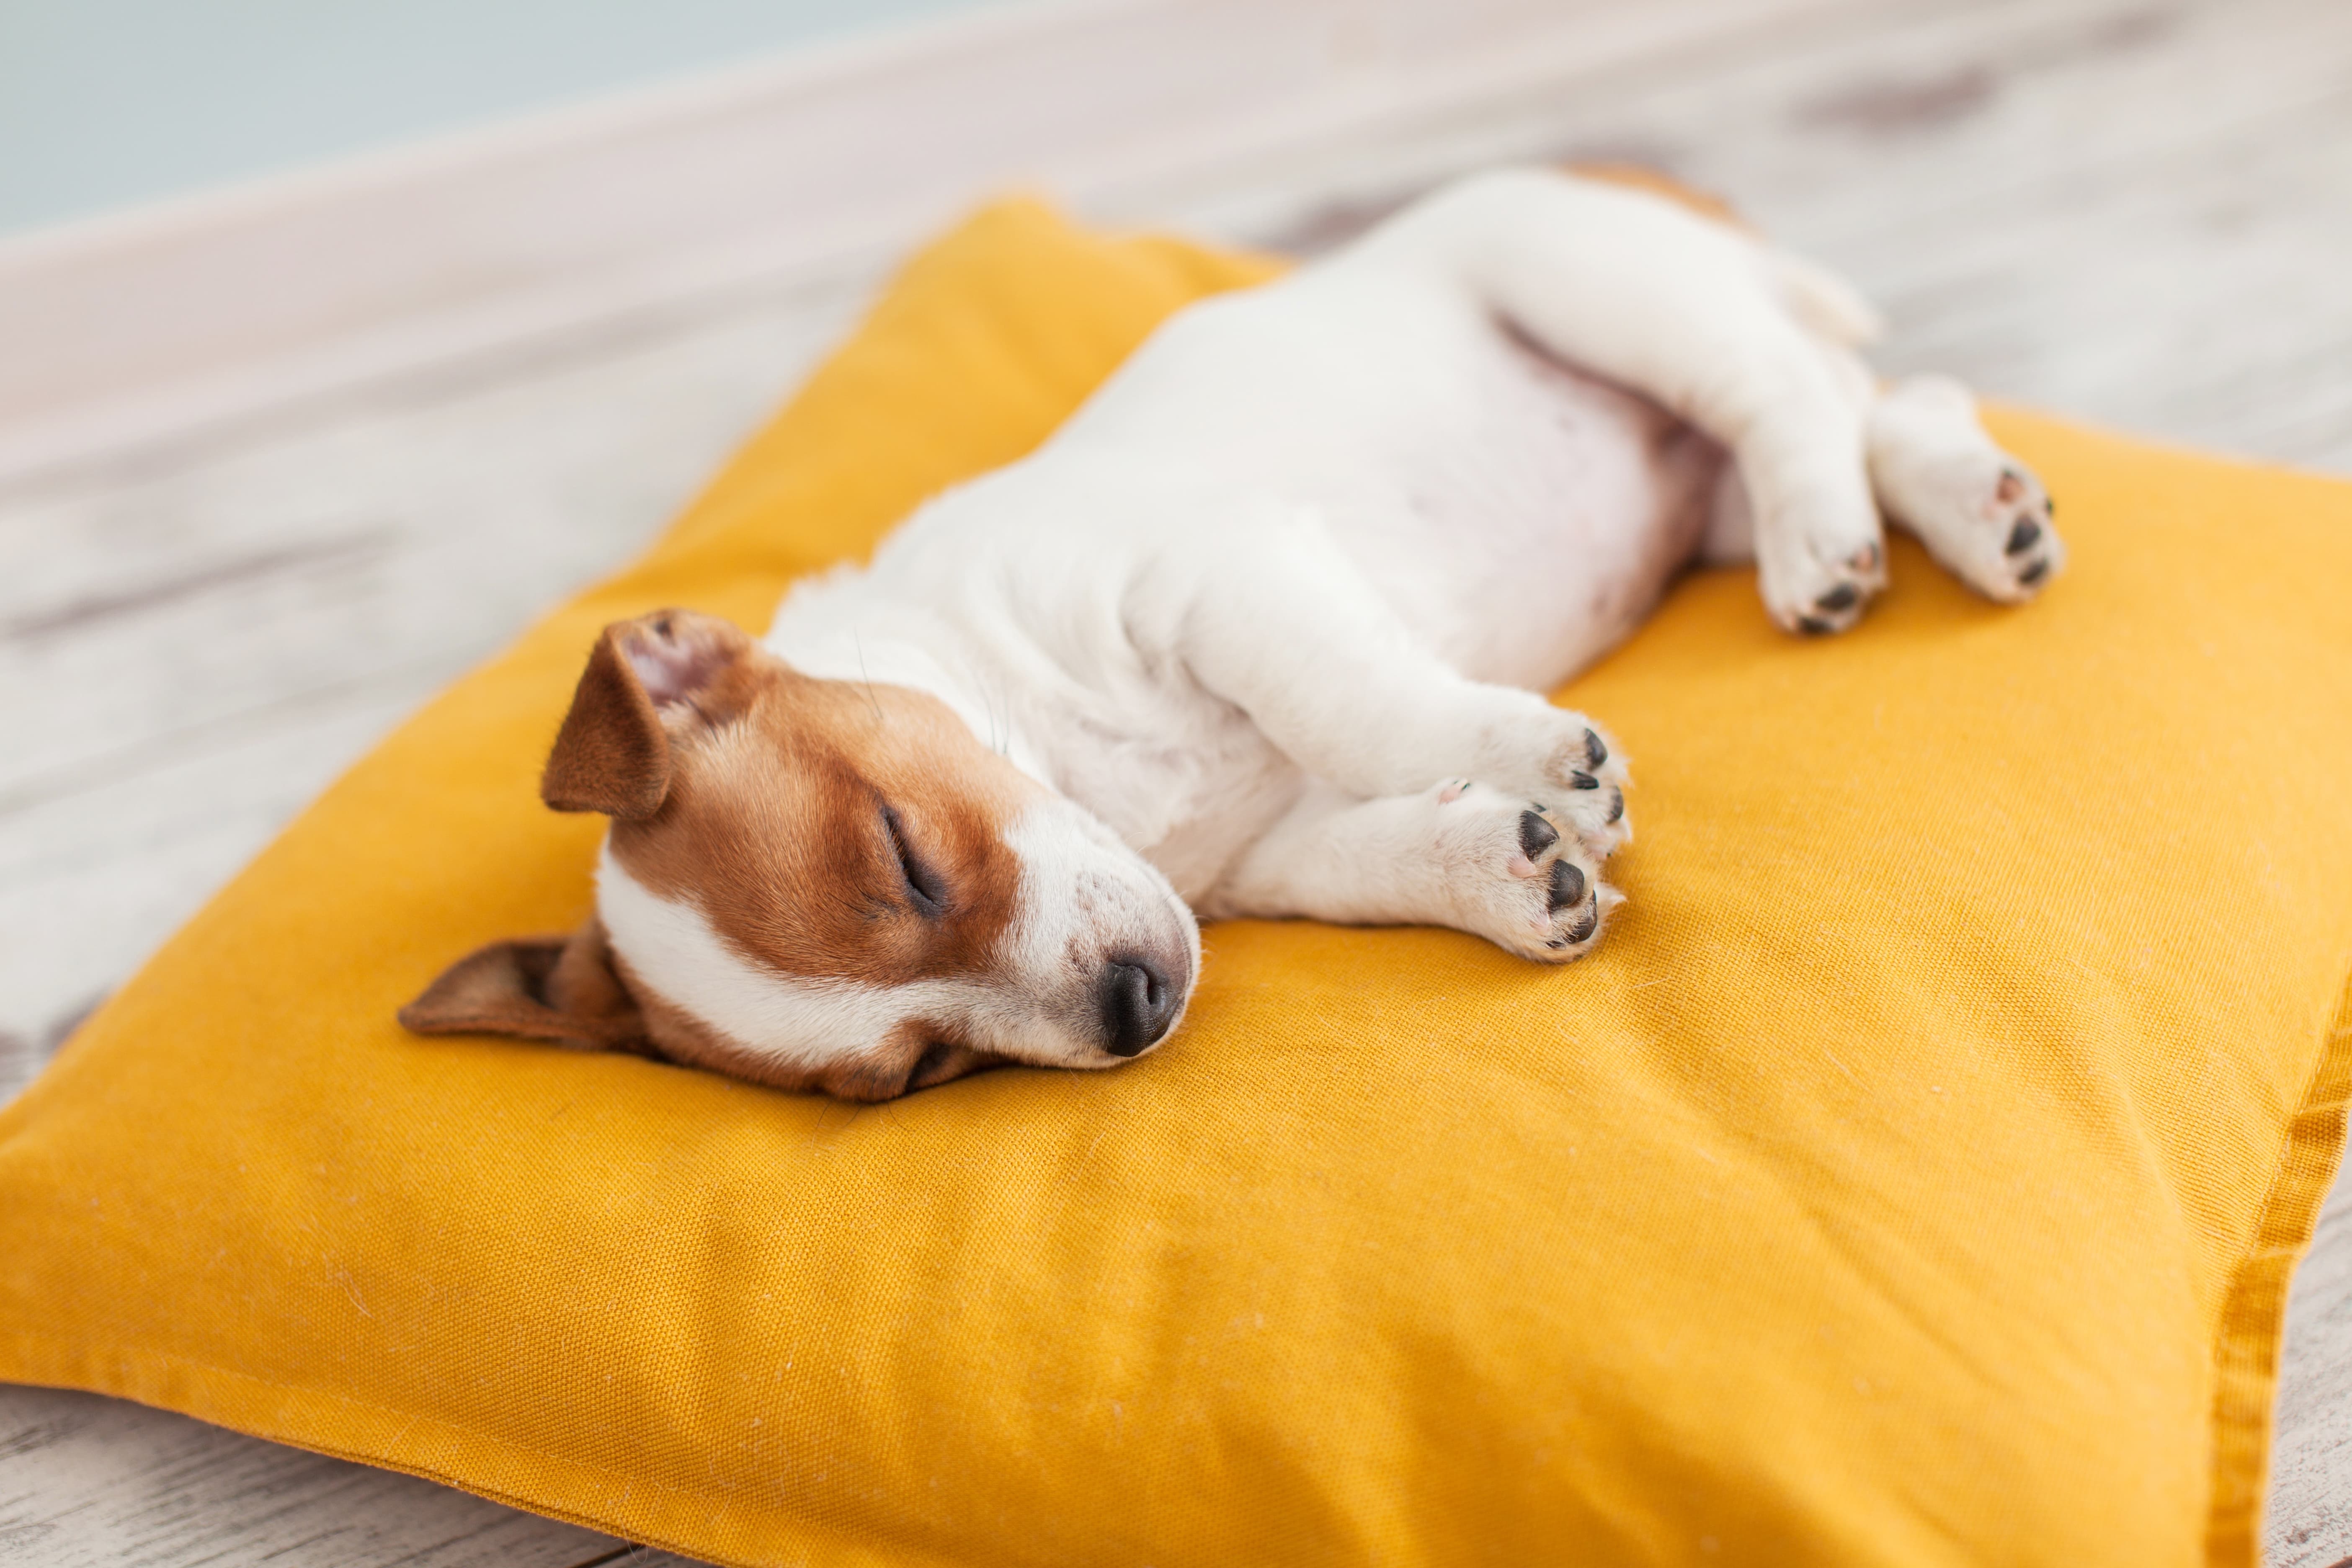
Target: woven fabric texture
{"points": [[1913, 1176]]}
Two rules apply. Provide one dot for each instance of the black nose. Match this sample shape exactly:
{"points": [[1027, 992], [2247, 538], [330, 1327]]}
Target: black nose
{"points": [[1138, 1005]]}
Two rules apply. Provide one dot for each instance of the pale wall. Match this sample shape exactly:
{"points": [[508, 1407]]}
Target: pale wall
{"points": [[108, 103]]}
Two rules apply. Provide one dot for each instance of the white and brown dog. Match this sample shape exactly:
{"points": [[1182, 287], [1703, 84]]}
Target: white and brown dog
{"points": [[1262, 630]]}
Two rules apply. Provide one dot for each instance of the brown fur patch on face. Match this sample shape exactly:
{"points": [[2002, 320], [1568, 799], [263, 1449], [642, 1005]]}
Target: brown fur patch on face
{"points": [[826, 829], [831, 829]]}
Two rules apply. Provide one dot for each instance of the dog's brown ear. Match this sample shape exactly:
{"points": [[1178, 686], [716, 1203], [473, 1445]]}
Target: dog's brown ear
{"points": [[557, 988], [612, 753]]}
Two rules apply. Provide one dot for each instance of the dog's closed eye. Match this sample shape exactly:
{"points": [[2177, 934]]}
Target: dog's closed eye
{"points": [[925, 889]]}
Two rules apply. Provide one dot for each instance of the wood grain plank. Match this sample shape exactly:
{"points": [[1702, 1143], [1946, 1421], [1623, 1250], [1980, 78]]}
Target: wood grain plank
{"points": [[87, 1482], [2310, 1521], [191, 651]]}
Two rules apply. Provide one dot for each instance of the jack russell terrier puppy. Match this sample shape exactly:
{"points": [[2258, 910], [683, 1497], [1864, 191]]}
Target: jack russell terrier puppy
{"points": [[1263, 629]]}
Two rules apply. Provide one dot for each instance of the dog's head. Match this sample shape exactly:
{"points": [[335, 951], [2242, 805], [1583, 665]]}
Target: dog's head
{"points": [[823, 884]]}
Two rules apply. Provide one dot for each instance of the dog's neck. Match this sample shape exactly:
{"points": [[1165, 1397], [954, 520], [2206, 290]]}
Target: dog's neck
{"points": [[1119, 732], [841, 629]]}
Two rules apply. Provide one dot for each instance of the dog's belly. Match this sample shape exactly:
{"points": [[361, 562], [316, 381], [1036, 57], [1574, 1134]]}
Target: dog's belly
{"points": [[1519, 515], [1539, 523]]}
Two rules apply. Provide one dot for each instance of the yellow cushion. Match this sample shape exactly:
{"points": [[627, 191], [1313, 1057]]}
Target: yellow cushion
{"points": [[1912, 1177]]}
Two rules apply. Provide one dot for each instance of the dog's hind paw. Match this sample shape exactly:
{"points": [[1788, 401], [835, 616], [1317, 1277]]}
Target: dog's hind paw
{"points": [[1979, 511], [1986, 517], [1810, 590], [1521, 874]]}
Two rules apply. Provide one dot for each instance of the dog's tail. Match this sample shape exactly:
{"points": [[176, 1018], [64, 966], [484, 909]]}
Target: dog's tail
{"points": [[1824, 300], [1819, 297]]}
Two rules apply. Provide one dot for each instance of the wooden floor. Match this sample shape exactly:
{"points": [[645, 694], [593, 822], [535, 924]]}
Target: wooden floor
{"points": [[2139, 214]]}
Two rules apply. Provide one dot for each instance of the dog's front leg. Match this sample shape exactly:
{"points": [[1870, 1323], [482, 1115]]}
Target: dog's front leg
{"points": [[1460, 853], [1281, 624]]}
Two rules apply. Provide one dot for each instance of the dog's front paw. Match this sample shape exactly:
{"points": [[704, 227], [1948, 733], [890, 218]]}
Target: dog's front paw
{"points": [[1576, 773], [1520, 873]]}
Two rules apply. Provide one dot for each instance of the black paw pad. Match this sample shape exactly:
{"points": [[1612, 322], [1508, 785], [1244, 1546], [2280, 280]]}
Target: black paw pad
{"points": [[1582, 781], [1814, 626], [1535, 835], [1595, 753], [1616, 805], [2034, 574], [1589, 923], [1844, 597], [1566, 884], [2024, 537]]}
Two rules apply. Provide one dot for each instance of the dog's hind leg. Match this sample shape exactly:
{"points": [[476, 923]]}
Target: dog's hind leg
{"points": [[1459, 854], [1978, 510], [1939, 477], [1741, 340]]}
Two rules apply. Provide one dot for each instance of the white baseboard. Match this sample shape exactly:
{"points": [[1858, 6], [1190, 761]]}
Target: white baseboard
{"points": [[123, 332]]}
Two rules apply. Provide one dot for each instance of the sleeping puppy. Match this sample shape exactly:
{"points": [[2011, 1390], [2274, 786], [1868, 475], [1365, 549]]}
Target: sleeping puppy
{"points": [[1262, 630]]}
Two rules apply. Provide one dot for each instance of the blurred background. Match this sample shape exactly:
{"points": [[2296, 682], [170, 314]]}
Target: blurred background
{"points": [[108, 103], [339, 338]]}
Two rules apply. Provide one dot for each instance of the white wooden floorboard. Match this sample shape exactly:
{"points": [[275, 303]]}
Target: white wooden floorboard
{"points": [[2311, 1503], [192, 647], [90, 1482], [2136, 213]]}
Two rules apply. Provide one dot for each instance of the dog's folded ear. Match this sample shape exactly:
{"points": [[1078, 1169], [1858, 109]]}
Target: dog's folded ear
{"points": [[561, 989], [645, 676]]}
